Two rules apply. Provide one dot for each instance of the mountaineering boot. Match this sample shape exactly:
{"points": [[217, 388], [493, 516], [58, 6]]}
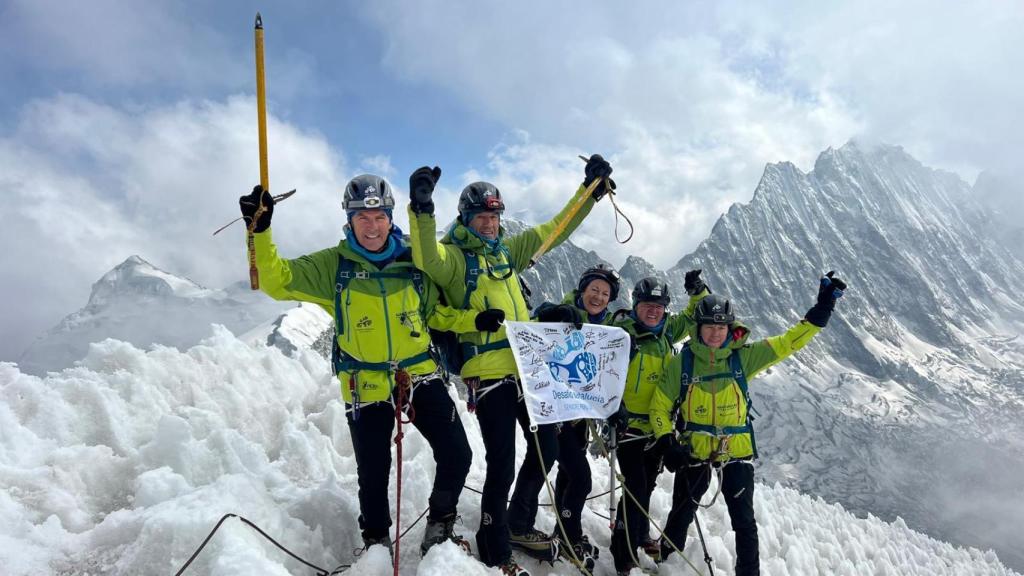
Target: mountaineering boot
{"points": [[385, 541], [536, 544], [666, 550], [585, 552], [653, 549], [439, 531], [511, 568]]}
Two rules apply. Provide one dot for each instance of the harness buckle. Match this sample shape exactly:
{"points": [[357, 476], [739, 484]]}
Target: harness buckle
{"points": [[361, 274]]}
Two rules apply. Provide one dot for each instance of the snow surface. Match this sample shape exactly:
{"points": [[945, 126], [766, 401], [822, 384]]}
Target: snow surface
{"points": [[124, 463]]}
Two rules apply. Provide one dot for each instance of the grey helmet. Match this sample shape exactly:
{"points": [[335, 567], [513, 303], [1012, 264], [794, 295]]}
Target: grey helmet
{"points": [[479, 197], [714, 309], [651, 289], [368, 192]]}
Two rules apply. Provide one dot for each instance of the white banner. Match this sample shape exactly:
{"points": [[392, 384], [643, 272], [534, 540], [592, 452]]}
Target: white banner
{"points": [[568, 373]]}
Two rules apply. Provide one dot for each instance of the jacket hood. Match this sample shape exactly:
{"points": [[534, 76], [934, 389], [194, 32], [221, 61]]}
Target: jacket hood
{"points": [[464, 238]]}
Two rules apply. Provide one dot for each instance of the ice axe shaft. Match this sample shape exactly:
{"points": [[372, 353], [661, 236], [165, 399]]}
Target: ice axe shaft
{"points": [[568, 218], [261, 115]]}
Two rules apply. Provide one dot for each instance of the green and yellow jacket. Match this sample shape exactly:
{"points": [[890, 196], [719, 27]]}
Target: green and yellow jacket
{"points": [[383, 319], [714, 400], [649, 357], [498, 284]]}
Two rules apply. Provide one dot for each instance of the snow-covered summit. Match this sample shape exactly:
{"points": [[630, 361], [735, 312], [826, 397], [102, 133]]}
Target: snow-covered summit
{"points": [[139, 303], [138, 277]]}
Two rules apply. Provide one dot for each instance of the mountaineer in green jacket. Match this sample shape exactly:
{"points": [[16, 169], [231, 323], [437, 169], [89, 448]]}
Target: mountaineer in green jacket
{"points": [[652, 333], [588, 303], [701, 413], [477, 268], [382, 306]]}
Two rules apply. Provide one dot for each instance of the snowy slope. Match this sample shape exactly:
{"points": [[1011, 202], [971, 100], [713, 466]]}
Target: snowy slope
{"points": [[123, 464], [139, 303]]}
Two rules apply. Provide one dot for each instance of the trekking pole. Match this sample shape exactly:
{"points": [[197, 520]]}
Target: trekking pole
{"points": [[700, 533], [612, 487], [261, 116]]}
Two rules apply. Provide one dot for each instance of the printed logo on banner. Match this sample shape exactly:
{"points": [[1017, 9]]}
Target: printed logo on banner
{"points": [[580, 369]]}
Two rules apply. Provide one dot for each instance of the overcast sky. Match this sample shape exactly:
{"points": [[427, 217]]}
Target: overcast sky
{"points": [[130, 127]]}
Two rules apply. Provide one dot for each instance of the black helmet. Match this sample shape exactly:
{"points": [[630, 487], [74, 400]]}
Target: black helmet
{"points": [[479, 197], [714, 309], [368, 192], [651, 289], [600, 272]]}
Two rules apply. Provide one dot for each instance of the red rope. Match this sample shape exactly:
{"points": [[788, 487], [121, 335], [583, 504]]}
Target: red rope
{"points": [[402, 382]]}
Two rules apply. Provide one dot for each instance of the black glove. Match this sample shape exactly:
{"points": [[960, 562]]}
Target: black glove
{"points": [[421, 189], [250, 202], [830, 288], [560, 313], [598, 167], [489, 320], [693, 283], [620, 419], [673, 455]]}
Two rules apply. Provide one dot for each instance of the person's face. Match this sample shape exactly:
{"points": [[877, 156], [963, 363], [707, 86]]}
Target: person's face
{"points": [[714, 334], [650, 313], [486, 224], [596, 296], [371, 228]]}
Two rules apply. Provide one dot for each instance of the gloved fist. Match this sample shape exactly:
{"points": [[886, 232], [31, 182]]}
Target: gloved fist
{"points": [[598, 167], [620, 419], [250, 203], [489, 320], [560, 313], [830, 288], [673, 455], [693, 283], [421, 189]]}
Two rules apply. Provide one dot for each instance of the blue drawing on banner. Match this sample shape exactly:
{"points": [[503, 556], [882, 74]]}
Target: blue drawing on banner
{"points": [[573, 343], [579, 370]]}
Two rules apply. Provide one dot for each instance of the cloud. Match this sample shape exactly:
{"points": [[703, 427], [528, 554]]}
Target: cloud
{"points": [[122, 44], [692, 102], [87, 185]]}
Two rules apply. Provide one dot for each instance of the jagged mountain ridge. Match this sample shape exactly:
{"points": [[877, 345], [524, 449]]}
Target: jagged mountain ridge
{"points": [[916, 384]]}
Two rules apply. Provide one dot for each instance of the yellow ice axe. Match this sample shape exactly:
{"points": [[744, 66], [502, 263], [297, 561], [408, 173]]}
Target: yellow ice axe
{"points": [[261, 114], [568, 218]]}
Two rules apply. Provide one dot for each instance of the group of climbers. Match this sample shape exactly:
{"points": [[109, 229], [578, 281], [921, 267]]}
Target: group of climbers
{"points": [[686, 411]]}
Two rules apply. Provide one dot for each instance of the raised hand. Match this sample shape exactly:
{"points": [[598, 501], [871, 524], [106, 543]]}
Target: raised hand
{"points": [[250, 203], [421, 189]]}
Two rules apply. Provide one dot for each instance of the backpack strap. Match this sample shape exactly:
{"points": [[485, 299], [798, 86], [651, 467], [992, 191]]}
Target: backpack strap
{"points": [[472, 276]]}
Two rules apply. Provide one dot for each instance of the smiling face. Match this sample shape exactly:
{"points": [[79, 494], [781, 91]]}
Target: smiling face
{"points": [[371, 228], [595, 296], [714, 335], [486, 224], [650, 313]]}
